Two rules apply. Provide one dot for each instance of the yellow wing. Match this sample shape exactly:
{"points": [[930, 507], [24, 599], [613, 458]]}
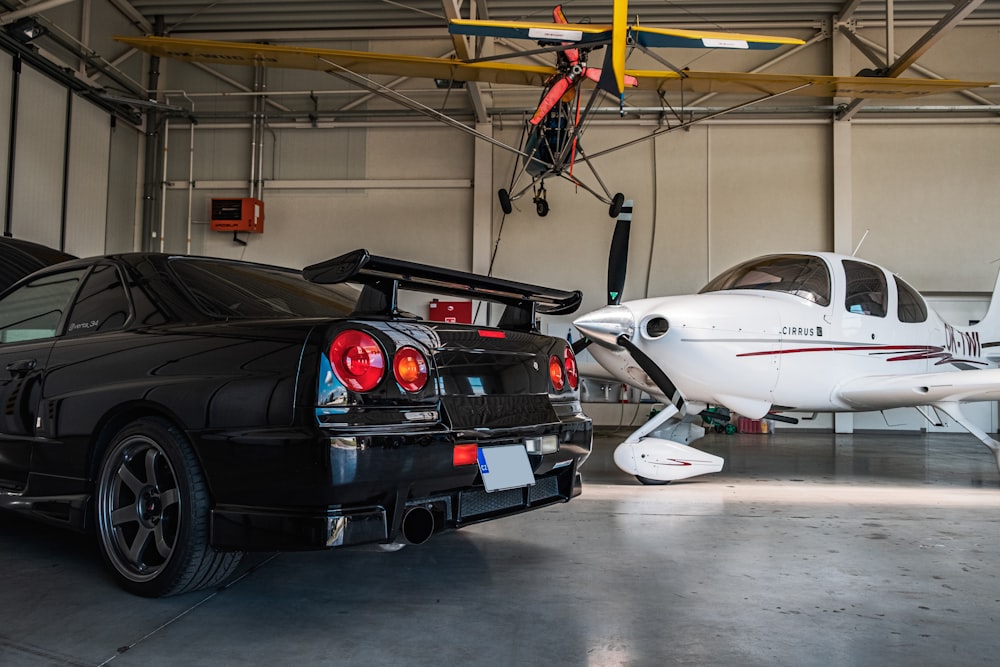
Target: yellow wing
{"points": [[545, 32], [676, 38], [584, 33], [362, 62], [814, 85]]}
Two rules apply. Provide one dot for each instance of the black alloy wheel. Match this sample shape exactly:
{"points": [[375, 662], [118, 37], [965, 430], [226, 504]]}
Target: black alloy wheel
{"points": [[152, 510]]}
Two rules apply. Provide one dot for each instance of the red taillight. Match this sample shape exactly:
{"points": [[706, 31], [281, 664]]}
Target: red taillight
{"points": [[357, 359], [486, 333], [556, 373], [572, 376], [465, 455], [410, 369]]}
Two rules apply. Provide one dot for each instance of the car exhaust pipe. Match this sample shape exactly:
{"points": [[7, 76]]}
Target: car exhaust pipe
{"points": [[418, 525]]}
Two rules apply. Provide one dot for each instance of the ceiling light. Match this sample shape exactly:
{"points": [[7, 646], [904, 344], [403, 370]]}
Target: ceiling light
{"points": [[25, 30]]}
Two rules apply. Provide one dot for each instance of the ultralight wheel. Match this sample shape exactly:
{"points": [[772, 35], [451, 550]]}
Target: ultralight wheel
{"points": [[504, 198], [541, 207], [152, 514], [617, 202], [648, 481]]}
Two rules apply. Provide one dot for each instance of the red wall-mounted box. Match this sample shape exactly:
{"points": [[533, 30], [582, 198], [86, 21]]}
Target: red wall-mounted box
{"points": [[237, 215]]}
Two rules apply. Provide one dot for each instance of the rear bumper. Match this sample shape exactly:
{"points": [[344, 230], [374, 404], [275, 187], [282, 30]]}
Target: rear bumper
{"points": [[266, 529], [333, 486]]}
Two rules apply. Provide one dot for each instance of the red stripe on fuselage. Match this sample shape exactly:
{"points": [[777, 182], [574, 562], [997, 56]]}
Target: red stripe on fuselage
{"points": [[859, 348]]}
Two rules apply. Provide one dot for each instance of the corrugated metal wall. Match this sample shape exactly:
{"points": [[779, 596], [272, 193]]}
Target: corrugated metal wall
{"points": [[61, 176]]}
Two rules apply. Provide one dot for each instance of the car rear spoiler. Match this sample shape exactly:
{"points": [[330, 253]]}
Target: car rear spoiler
{"points": [[383, 277]]}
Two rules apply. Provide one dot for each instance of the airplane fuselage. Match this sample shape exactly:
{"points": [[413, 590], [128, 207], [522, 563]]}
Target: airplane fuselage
{"points": [[785, 344]]}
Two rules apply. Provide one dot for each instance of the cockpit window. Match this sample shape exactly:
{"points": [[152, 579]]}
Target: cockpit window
{"points": [[911, 306], [804, 276], [866, 289]]}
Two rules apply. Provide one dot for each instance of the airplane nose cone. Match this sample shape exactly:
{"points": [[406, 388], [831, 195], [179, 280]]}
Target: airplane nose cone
{"points": [[607, 324]]}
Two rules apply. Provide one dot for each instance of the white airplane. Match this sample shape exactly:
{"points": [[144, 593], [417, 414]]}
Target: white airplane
{"points": [[793, 332]]}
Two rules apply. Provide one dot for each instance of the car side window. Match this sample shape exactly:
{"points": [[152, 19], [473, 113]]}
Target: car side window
{"points": [[34, 310], [102, 304], [911, 305], [867, 293]]}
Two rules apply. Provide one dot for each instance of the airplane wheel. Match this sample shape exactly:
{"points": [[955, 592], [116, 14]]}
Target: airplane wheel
{"points": [[616, 205], [541, 208], [504, 198], [652, 482]]}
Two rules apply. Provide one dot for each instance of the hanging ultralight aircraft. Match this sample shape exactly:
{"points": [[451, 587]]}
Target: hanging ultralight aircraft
{"points": [[790, 332], [552, 138], [551, 146]]}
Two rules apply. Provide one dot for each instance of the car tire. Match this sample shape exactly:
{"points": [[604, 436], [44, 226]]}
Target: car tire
{"points": [[152, 513]]}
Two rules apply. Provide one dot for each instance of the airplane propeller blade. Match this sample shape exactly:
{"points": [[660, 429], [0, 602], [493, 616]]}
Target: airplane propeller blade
{"points": [[655, 373], [617, 263], [618, 255]]}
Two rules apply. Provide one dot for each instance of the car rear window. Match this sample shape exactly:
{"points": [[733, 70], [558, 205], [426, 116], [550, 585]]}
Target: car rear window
{"points": [[243, 290]]}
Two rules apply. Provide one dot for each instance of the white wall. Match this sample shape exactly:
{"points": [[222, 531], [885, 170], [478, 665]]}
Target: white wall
{"points": [[87, 205], [61, 160], [39, 156]]}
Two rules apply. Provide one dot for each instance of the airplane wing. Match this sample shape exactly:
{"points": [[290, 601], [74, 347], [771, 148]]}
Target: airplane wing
{"points": [[676, 38], [363, 62], [814, 85], [584, 33], [882, 392]]}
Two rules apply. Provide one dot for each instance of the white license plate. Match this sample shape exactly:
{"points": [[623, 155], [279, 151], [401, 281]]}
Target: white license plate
{"points": [[505, 467]]}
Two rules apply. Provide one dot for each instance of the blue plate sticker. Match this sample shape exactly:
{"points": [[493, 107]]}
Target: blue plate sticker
{"points": [[483, 466]]}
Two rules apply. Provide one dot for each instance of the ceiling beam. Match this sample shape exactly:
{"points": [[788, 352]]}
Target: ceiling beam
{"points": [[958, 13], [31, 10], [462, 50], [847, 11], [392, 84], [961, 10], [924, 71], [133, 15]]}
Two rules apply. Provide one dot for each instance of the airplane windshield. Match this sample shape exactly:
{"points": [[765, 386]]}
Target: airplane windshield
{"points": [[804, 276]]}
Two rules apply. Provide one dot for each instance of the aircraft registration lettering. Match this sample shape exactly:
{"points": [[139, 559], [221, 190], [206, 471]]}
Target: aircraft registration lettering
{"points": [[550, 33], [965, 343], [725, 43]]}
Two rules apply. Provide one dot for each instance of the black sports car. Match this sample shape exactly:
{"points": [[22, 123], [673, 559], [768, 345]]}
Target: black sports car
{"points": [[190, 408], [18, 258]]}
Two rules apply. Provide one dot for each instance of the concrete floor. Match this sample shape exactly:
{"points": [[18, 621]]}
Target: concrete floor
{"points": [[808, 549]]}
